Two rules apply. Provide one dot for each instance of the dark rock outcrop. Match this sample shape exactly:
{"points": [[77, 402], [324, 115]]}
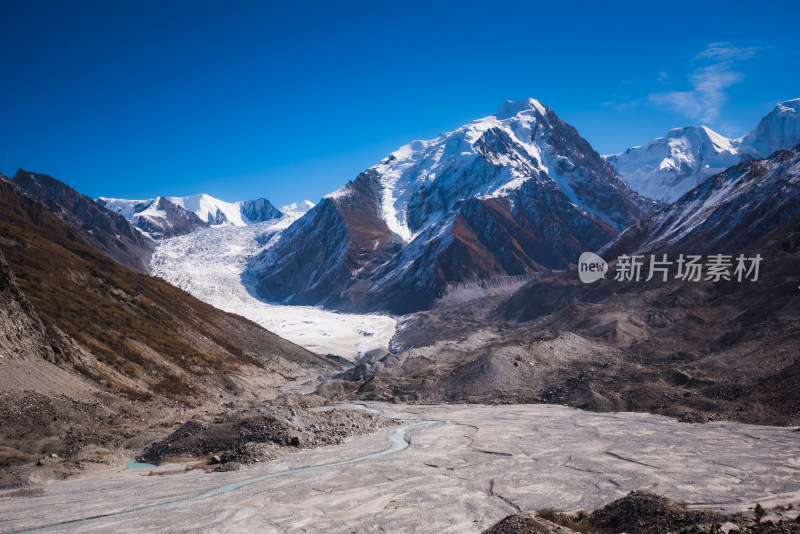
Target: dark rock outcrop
{"points": [[171, 221], [259, 210], [105, 230]]}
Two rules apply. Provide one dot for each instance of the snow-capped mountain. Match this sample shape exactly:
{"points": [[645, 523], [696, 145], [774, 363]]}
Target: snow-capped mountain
{"points": [[747, 205], [669, 166], [511, 194], [778, 130], [165, 217]]}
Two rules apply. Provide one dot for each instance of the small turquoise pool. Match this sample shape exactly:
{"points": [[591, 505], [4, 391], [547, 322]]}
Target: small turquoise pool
{"points": [[133, 464]]}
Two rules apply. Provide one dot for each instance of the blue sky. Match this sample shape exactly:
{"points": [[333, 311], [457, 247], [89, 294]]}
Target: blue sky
{"points": [[135, 99]]}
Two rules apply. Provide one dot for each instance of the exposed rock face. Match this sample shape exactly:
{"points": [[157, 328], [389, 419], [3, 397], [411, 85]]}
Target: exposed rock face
{"points": [[23, 334], [325, 251], [533, 230], [163, 219], [105, 230], [512, 194], [259, 210]]}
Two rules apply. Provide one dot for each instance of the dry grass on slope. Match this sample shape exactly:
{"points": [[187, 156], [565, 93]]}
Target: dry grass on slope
{"points": [[151, 334]]}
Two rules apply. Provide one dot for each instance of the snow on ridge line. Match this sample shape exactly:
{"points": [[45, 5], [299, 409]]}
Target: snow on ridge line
{"points": [[203, 205], [339, 193], [419, 162], [207, 208]]}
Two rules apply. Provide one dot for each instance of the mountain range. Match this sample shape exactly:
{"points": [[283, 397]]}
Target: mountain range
{"points": [[741, 207], [512, 195], [698, 350], [515, 195], [477, 232], [165, 217], [669, 166]]}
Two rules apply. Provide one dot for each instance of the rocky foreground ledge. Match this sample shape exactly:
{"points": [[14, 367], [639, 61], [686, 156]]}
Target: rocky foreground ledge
{"points": [[256, 434], [642, 512]]}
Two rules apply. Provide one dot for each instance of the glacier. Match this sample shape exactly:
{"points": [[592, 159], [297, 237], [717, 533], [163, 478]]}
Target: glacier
{"points": [[211, 263]]}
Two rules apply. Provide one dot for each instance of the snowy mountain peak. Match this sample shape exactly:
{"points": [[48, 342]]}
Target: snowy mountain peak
{"points": [[703, 133], [488, 158], [297, 209], [210, 210], [669, 166], [778, 130], [788, 106], [511, 108]]}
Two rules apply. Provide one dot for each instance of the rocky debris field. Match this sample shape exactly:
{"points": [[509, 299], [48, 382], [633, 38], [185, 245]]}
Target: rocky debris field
{"points": [[696, 352], [641, 512], [51, 437], [46, 438], [254, 435]]}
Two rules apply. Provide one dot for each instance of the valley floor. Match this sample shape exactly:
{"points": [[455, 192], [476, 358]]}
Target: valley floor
{"points": [[474, 466]]}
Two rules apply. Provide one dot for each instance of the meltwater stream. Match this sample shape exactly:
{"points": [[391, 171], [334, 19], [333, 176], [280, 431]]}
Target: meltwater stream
{"points": [[397, 442]]}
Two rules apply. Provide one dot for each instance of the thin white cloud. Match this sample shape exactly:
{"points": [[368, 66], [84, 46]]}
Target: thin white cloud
{"points": [[726, 52], [729, 130], [622, 105], [709, 83], [685, 102]]}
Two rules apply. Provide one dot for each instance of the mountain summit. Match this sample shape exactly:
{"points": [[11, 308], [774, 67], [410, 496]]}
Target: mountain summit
{"points": [[511, 108], [778, 130], [511, 194]]}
